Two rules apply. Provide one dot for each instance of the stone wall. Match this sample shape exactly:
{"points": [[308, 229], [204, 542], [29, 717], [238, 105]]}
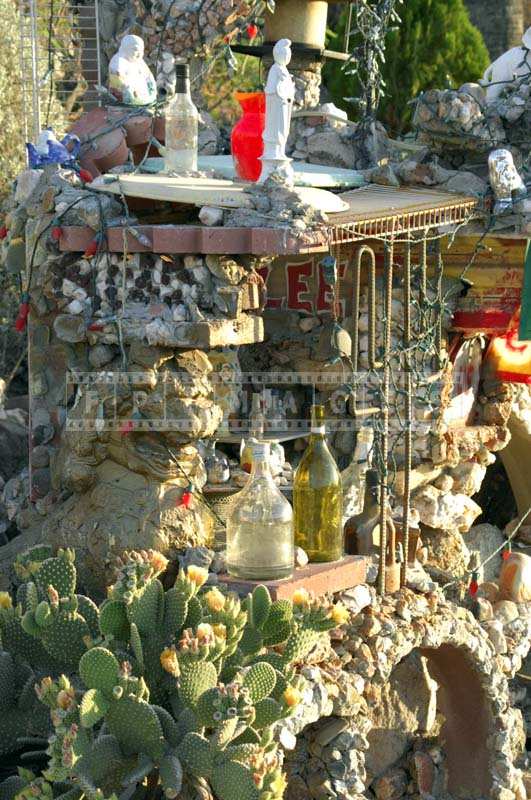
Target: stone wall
{"points": [[502, 24]]}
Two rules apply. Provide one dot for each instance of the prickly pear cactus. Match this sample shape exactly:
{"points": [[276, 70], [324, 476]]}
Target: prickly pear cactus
{"points": [[177, 686]]}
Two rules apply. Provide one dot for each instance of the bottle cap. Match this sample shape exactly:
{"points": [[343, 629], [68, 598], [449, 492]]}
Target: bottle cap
{"points": [[261, 451], [182, 70]]}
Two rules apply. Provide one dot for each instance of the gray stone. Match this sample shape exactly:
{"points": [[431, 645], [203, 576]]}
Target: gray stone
{"points": [[70, 328], [40, 457], [467, 183], [99, 355], [484, 539], [506, 611], [330, 148], [26, 184], [391, 786], [385, 176]]}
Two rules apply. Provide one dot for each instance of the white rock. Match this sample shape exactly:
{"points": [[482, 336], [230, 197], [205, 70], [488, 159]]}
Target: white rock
{"points": [[301, 557], [358, 598], [180, 313], [497, 636], [307, 324], [75, 307], [209, 215], [287, 739], [68, 287], [26, 184]]}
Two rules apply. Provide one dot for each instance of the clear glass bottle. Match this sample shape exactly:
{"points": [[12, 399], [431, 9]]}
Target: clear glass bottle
{"points": [[363, 530], [216, 464], [317, 497], [256, 432], [180, 154], [353, 477], [260, 526]]}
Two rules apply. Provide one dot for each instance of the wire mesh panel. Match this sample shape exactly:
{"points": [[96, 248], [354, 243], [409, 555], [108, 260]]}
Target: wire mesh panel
{"points": [[60, 61]]}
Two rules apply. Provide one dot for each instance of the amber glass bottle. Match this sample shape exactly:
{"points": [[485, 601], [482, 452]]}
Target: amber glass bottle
{"points": [[360, 529], [317, 498]]}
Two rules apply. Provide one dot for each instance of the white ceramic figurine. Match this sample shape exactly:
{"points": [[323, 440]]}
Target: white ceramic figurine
{"points": [[511, 66], [506, 183], [130, 79], [279, 91]]}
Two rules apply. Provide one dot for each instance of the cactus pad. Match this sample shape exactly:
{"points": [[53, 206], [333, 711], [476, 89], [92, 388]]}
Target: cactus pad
{"points": [[99, 669], [58, 572], [231, 779], [261, 605], [260, 681], [92, 708], [268, 711], [171, 775], [113, 620], [136, 726], [196, 678], [197, 754]]}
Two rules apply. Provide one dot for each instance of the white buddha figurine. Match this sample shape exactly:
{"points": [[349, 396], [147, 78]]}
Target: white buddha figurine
{"points": [[130, 79], [510, 67], [279, 91]]}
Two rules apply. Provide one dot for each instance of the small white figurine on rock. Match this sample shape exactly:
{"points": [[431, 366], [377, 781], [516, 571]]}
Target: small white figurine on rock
{"points": [[279, 91], [511, 66], [130, 79], [506, 183]]}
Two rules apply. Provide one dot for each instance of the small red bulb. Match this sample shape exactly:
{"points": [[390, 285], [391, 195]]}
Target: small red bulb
{"points": [[186, 498], [22, 319], [252, 31], [473, 586], [85, 176], [506, 551], [3, 232], [127, 427], [56, 233], [91, 249]]}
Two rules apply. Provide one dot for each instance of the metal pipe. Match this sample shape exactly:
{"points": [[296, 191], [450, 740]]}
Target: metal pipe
{"points": [[407, 411], [384, 488]]}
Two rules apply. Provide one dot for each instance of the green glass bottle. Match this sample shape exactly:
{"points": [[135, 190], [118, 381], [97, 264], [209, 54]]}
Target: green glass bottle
{"points": [[317, 497]]}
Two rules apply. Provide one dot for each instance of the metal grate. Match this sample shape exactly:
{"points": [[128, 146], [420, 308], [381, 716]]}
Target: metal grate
{"points": [[60, 62]]}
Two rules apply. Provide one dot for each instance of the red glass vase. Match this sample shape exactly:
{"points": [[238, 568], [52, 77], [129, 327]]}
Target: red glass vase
{"points": [[246, 137]]}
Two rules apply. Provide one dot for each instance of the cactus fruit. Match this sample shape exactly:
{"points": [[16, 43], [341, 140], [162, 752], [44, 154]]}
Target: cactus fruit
{"points": [[171, 775], [99, 669], [231, 779], [197, 754], [260, 681], [196, 678]]}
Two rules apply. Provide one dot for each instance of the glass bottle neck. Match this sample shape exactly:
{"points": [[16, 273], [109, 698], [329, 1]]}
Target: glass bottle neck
{"points": [[182, 86], [260, 469]]}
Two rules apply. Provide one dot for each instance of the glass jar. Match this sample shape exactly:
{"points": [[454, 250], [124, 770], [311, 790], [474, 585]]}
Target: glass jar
{"points": [[260, 526], [216, 464]]}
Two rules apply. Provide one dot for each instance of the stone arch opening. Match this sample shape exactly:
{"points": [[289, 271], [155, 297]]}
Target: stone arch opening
{"points": [[467, 719], [434, 717]]}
